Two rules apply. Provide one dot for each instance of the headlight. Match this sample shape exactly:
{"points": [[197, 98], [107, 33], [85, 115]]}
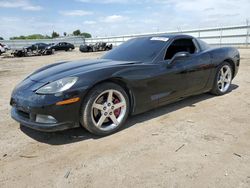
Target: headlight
{"points": [[57, 86]]}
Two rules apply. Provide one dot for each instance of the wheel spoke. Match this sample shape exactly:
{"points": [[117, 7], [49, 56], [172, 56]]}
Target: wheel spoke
{"points": [[113, 118], [227, 80], [222, 72], [222, 85], [227, 72], [101, 120], [119, 105], [110, 97], [98, 106]]}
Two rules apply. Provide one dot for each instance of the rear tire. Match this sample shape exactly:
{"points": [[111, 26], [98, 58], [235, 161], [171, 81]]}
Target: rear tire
{"points": [[105, 109], [223, 79]]}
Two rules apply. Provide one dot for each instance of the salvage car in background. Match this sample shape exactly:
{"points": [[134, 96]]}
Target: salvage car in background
{"points": [[139, 75], [36, 46], [100, 46], [6, 47], [33, 50], [65, 46], [2, 49]]}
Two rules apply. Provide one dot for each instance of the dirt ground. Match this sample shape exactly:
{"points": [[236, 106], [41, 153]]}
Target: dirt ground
{"points": [[202, 141]]}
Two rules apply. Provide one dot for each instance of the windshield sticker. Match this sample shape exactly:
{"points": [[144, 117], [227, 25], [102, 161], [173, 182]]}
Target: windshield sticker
{"points": [[164, 39]]}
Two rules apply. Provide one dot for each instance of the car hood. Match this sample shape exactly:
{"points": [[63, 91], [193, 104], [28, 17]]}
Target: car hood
{"points": [[71, 68]]}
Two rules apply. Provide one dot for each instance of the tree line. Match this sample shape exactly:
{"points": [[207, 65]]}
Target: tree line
{"points": [[53, 35]]}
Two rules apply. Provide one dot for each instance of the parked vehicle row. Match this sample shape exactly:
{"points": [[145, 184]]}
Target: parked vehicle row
{"points": [[48, 49], [42, 49]]}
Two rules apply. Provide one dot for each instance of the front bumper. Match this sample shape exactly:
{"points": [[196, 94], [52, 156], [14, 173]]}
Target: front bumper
{"points": [[27, 106], [27, 122]]}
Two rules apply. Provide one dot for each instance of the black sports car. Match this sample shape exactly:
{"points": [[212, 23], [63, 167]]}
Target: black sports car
{"points": [[139, 75], [62, 46], [99, 46]]}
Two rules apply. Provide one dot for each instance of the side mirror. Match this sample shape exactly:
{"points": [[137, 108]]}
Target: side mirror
{"points": [[178, 56]]}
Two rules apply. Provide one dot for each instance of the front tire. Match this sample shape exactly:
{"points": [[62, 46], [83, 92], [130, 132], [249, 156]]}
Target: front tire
{"points": [[223, 79], [105, 109]]}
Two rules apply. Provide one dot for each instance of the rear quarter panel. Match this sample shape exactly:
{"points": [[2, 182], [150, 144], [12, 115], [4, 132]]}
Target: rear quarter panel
{"points": [[219, 55]]}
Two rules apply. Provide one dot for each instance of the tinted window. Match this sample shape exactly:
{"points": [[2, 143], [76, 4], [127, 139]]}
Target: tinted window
{"points": [[180, 45], [140, 49]]}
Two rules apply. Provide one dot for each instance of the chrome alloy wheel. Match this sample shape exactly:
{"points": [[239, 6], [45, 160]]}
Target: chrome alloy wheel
{"points": [[108, 110], [224, 78]]}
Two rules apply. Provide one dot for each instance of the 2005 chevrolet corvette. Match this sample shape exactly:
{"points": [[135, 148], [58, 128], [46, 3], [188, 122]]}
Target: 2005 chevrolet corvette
{"points": [[139, 75]]}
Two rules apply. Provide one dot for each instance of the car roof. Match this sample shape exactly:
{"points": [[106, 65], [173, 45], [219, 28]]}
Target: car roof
{"points": [[170, 36], [39, 43]]}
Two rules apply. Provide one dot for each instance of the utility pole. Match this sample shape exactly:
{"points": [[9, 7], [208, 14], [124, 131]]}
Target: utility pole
{"points": [[247, 37], [221, 36]]}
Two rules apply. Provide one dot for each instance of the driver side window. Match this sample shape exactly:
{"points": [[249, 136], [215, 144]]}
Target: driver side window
{"points": [[180, 45]]}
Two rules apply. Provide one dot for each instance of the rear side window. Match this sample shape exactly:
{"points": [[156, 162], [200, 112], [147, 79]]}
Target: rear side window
{"points": [[203, 45], [180, 45]]}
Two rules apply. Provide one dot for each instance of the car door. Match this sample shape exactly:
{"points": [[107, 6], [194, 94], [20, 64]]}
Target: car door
{"points": [[197, 67], [41, 46], [65, 46], [183, 76], [169, 84], [59, 46]]}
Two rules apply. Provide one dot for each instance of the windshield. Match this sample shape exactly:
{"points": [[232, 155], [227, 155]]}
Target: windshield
{"points": [[140, 49]]}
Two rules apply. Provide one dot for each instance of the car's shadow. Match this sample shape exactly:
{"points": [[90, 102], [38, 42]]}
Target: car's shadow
{"points": [[80, 134]]}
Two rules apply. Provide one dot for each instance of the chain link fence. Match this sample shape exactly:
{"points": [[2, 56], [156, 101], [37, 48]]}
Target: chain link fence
{"points": [[221, 36]]}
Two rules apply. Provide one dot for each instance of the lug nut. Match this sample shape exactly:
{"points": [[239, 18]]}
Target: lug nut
{"points": [[112, 107], [110, 113], [104, 108], [105, 113], [109, 104]]}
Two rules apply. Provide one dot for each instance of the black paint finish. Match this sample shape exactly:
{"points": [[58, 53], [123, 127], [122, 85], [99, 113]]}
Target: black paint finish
{"points": [[62, 46], [149, 80]]}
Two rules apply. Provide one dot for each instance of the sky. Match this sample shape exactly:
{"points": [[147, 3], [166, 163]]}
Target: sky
{"points": [[117, 17]]}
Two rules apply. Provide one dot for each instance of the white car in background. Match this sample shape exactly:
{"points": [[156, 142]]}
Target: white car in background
{"points": [[3, 48]]}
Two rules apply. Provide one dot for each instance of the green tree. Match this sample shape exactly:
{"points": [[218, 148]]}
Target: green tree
{"points": [[33, 36], [64, 34], [1, 38], [77, 32], [55, 34], [18, 38], [86, 35]]}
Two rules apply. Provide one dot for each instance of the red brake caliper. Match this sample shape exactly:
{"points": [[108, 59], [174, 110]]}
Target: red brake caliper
{"points": [[117, 111]]}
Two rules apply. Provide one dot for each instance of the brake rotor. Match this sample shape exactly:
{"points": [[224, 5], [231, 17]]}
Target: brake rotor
{"points": [[117, 111]]}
